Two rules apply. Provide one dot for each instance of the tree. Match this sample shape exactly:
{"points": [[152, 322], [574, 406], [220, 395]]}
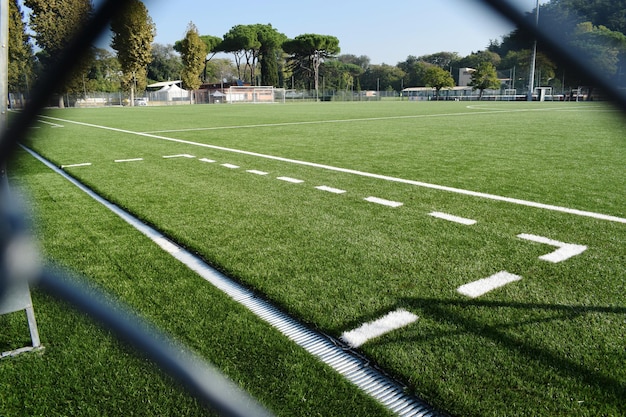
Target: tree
{"points": [[243, 42], [382, 77], [193, 52], [270, 52], [133, 33], [438, 78], [103, 74], [484, 77], [54, 24], [165, 65], [21, 57], [307, 52], [213, 46]]}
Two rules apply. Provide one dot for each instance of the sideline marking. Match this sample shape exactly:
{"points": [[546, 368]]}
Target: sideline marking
{"points": [[330, 189], [291, 180], [389, 322], [86, 164], [254, 171], [494, 197], [450, 217], [129, 160], [182, 155], [483, 286], [231, 166], [384, 202], [50, 123], [564, 251], [206, 160]]}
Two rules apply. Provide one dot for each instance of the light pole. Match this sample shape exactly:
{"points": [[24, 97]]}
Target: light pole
{"points": [[531, 81]]}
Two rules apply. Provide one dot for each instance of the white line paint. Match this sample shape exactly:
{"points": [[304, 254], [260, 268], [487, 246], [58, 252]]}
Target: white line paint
{"points": [[450, 217], [166, 245], [182, 155], [388, 323], [289, 179], [564, 251], [210, 161], [330, 189], [86, 164], [510, 200], [384, 202], [129, 160], [231, 166], [254, 171], [49, 123], [483, 286]]}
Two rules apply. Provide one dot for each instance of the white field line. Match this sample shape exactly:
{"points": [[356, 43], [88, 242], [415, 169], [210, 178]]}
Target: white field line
{"points": [[291, 180], [210, 161], [564, 251], [256, 172], [364, 119], [129, 160], [450, 217], [231, 166], [85, 164], [389, 322], [182, 155], [330, 189], [483, 286], [49, 123], [382, 201], [493, 197]]}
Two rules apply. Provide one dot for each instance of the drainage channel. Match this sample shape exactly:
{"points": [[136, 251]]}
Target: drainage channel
{"points": [[350, 365]]}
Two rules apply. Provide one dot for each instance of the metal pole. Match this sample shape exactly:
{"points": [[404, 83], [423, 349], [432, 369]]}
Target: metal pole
{"points": [[531, 81], [4, 75]]}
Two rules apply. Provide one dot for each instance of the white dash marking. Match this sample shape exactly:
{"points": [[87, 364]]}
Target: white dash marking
{"points": [[207, 160], [330, 189], [450, 217], [564, 251], [383, 202], [391, 321], [231, 166], [182, 155], [129, 160], [86, 164], [483, 286], [254, 171], [292, 180]]}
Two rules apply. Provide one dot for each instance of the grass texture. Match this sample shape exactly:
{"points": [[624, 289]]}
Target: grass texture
{"points": [[550, 344]]}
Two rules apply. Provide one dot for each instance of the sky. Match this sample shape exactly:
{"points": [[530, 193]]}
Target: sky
{"points": [[386, 33]]}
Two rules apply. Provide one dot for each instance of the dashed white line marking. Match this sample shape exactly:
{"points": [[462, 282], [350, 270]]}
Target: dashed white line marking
{"points": [[330, 189], [231, 166], [206, 160], [483, 286], [384, 202], [76, 165], [129, 160], [564, 251], [254, 171], [392, 321], [366, 174], [450, 217], [289, 179], [182, 155]]}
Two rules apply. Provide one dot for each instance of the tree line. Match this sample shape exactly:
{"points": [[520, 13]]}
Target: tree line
{"points": [[261, 55]]}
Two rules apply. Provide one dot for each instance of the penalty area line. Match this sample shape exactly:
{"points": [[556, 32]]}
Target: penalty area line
{"points": [[516, 201]]}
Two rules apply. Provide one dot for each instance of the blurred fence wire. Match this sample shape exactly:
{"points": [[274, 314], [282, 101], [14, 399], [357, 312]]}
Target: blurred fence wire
{"points": [[202, 380]]}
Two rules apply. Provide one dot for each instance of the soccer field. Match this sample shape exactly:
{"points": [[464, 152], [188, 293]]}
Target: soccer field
{"points": [[485, 239]]}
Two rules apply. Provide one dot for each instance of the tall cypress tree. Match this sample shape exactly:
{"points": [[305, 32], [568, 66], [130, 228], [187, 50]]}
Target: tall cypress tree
{"points": [[54, 24], [21, 55], [133, 33]]}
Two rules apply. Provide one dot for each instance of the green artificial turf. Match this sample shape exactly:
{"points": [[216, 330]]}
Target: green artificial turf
{"points": [[550, 344]]}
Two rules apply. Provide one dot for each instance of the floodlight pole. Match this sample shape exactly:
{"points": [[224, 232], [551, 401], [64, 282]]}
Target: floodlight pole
{"points": [[531, 81]]}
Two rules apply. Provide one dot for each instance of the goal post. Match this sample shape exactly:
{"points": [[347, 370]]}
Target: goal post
{"points": [[255, 94]]}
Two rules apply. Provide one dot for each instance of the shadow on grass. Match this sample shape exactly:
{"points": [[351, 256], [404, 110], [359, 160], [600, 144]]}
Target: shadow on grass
{"points": [[461, 315]]}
